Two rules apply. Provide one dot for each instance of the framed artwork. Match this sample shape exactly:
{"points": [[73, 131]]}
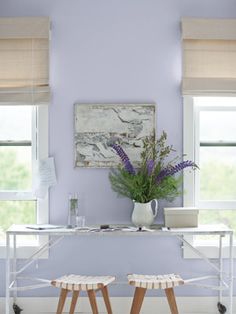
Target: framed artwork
{"points": [[96, 126]]}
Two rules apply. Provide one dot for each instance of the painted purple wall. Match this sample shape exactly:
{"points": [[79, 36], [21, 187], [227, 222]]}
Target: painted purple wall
{"points": [[112, 51]]}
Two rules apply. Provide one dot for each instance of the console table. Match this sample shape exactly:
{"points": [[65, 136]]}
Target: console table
{"points": [[13, 273]]}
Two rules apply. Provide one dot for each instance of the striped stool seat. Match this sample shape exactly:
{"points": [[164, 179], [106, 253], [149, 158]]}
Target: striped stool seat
{"points": [[155, 282], [77, 283], [144, 282], [84, 283]]}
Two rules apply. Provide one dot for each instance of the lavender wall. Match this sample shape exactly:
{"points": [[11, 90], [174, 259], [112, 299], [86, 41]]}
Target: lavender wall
{"points": [[112, 51]]}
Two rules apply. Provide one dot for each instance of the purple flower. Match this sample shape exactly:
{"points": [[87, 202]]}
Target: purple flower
{"points": [[171, 170], [124, 158], [150, 166]]}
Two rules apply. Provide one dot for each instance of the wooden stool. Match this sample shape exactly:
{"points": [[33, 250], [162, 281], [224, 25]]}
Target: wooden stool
{"points": [[77, 283], [144, 282]]}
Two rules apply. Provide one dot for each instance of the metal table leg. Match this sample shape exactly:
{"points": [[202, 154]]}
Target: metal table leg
{"points": [[221, 267], [14, 269], [8, 276], [231, 266], [221, 307]]}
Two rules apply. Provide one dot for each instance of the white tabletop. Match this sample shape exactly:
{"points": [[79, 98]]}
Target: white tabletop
{"points": [[119, 230]]}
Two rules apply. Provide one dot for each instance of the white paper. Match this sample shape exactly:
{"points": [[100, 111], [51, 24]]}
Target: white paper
{"points": [[45, 175], [43, 227]]}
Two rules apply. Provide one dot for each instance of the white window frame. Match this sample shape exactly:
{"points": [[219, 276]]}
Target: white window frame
{"points": [[39, 151], [191, 179]]}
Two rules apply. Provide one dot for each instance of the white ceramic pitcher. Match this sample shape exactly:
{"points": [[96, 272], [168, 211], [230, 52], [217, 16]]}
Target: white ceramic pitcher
{"points": [[143, 215]]}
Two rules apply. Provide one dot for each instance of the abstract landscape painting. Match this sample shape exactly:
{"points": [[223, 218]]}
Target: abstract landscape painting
{"points": [[99, 125]]}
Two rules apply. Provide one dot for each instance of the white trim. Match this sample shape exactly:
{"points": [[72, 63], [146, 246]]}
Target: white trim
{"points": [[16, 196], [42, 143], [196, 148], [188, 151], [42, 131], [43, 204], [42, 137], [121, 305]]}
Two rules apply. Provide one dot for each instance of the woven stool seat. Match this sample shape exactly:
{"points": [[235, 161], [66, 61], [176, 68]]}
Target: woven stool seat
{"points": [[84, 283], [155, 282], [77, 283], [144, 282]]}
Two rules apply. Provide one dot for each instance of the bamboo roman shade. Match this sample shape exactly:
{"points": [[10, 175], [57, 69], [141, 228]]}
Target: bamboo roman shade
{"points": [[24, 61], [209, 56]]}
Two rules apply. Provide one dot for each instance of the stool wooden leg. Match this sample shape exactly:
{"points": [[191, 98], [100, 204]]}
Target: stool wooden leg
{"points": [[106, 299], [92, 300], [61, 301], [171, 300], [138, 300], [74, 301]]}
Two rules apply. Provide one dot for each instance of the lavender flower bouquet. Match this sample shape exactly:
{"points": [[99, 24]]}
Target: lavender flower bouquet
{"points": [[155, 178]]}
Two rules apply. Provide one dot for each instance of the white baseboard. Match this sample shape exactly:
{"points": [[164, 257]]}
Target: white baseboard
{"points": [[151, 305]]}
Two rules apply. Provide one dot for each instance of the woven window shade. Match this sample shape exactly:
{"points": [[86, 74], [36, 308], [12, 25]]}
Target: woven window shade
{"points": [[209, 56], [24, 61]]}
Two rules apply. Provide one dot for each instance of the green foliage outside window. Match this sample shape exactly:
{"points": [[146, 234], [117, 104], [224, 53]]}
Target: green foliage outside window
{"points": [[14, 175], [16, 212], [218, 181], [219, 184]]}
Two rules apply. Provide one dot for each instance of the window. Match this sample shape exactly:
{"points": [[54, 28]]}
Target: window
{"points": [[214, 149], [208, 87], [23, 140], [24, 100], [210, 140], [215, 146]]}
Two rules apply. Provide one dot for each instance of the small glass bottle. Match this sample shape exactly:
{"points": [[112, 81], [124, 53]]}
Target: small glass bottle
{"points": [[72, 210]]}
